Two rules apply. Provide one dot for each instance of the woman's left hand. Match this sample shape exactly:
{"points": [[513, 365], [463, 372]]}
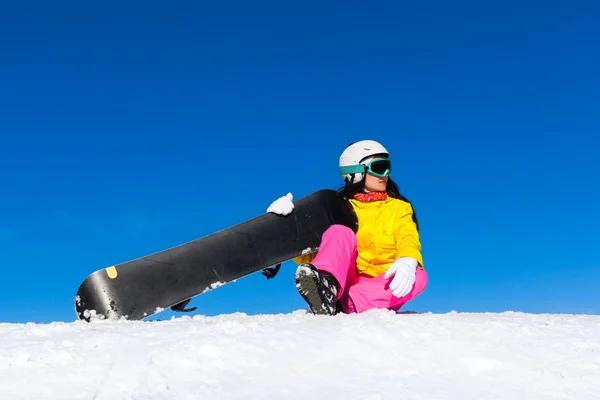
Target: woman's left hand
{"points": [[404, 271]]}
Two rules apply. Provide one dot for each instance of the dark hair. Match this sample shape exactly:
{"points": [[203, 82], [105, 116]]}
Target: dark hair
{"points": [[350, 189]]}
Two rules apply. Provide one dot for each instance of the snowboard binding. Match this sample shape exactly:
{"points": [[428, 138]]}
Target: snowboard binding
{"points": [[180, 307]]}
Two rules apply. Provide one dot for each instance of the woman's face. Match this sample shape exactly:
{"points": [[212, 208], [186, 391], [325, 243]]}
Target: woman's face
{"points": [[375, 183]]}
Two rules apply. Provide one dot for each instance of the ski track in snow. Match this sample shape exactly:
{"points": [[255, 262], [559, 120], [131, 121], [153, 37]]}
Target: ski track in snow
{"points": [[372, 356]]}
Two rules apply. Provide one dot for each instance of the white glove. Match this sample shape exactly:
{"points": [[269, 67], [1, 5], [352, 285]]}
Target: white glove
{"points": [[282, 206], [405, 271]]}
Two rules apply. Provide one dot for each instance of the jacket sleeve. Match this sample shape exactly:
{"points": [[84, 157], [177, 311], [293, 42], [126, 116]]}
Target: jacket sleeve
{"points": [[407, 236]]}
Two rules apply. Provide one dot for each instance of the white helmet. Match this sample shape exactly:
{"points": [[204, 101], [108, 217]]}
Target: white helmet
{"points": [[359, 153]]}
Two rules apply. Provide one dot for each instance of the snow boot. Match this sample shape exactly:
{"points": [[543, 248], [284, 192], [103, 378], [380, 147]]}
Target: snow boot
{"points": [[318, 289]]}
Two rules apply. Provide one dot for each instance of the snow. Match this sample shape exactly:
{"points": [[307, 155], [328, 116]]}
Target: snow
{"points": [[376, 355], [214, 286], [308, 250]]}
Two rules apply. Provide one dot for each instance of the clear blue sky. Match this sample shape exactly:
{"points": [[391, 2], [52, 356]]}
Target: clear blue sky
{"points": [[130, 127]]}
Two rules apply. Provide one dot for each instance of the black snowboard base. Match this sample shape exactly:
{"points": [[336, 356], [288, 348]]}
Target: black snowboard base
{"points": [[145, 286]]}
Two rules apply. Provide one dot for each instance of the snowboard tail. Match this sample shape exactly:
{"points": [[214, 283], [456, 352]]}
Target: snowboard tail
{"points": [[142, 287]]}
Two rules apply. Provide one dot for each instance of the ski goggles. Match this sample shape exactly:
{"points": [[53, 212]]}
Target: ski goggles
{"points": [[379, 168]]}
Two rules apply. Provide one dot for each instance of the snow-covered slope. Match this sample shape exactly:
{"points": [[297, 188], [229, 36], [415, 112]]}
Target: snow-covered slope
{"points": [[376, 355]]}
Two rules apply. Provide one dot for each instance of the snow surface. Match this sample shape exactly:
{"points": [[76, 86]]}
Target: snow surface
{"points": [[372, 356]]}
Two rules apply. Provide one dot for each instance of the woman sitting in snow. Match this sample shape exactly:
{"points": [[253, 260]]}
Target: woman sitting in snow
{"points": [[378, 267]]}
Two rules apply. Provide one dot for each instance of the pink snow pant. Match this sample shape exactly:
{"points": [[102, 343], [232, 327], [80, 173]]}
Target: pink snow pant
{"points": [[337, 256]]}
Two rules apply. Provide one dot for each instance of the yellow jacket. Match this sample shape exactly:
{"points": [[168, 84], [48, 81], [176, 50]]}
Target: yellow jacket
{"points": [[385, 233]]}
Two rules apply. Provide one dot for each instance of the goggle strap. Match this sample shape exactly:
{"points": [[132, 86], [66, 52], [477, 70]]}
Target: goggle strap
{"points": [[352, 169]]}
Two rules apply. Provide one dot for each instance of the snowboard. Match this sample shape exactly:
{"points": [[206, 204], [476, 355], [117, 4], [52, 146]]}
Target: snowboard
{"points": [[144, 286]]}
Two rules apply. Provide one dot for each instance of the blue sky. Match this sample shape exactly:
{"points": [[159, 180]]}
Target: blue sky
{"points": [[130, 127]]}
